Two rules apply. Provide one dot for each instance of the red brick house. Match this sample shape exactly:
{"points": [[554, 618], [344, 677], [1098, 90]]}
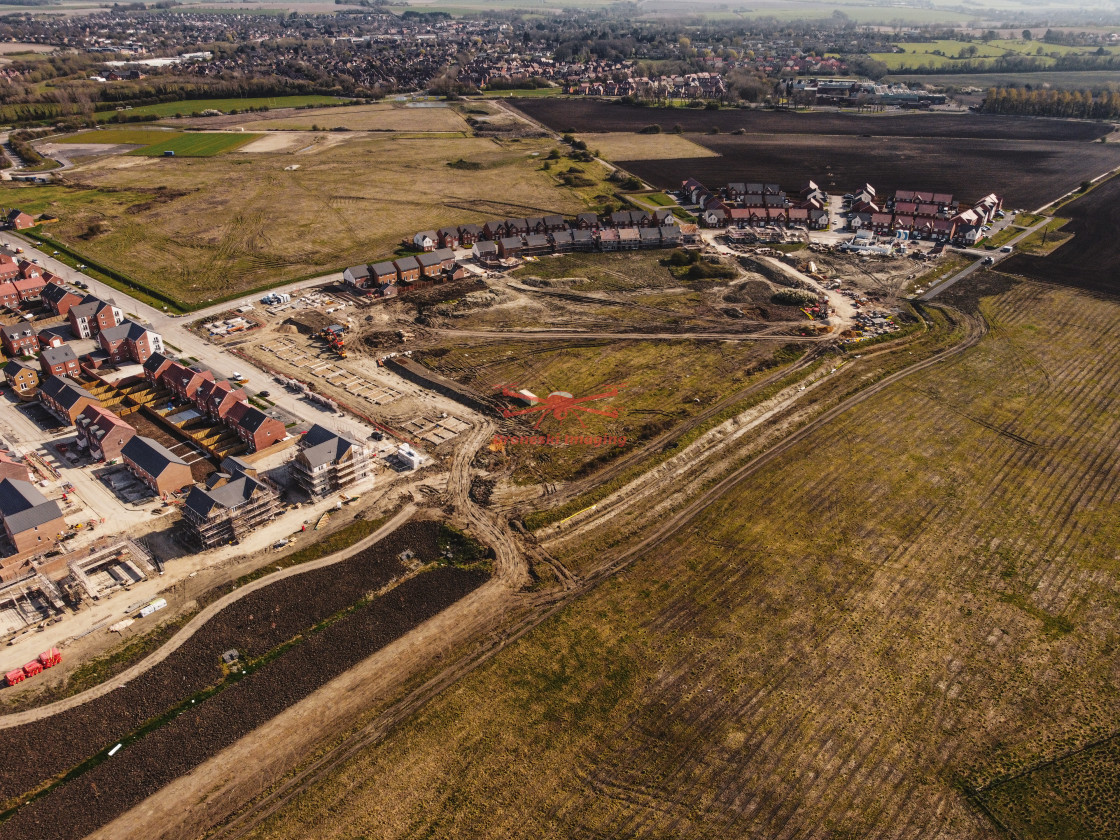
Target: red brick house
{"points": [[65, 397], [155, 367], [130, 341], [156, 465], [183, 381], [93, 315], [60, 298], [59, 361], [18, 220], [13, 469], [9, 269], [19, 340], [31, 287], [255, 427], [408, 269], [9, 295], [102, 432], [217, 399]]}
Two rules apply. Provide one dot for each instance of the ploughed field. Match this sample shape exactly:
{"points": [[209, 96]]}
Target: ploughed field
{"points": [[1027, 161], [255, 625], [1091, 260], [864, 639], [584, 115]]}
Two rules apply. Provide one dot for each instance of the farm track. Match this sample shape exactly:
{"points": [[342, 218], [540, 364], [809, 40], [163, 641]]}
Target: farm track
{"points": [[541, 606]]}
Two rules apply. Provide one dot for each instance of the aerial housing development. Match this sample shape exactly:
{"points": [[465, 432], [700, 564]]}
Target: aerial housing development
{"points": [[607, 420]]}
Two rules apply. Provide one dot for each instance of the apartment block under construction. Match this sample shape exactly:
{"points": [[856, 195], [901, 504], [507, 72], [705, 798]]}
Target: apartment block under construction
{"points": [[233, 502], [328, 461]]}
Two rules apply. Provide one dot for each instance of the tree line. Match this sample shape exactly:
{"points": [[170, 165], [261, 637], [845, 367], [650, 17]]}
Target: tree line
{"points": [[1082, 104]]}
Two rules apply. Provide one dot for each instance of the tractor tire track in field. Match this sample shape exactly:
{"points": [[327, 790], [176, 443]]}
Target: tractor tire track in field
{"points": [[540, 606]]}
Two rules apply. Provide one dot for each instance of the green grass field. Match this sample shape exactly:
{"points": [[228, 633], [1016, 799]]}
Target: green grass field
{"points": [[187, 107], [124, 136], [198, 145], [156, 141], [946, 53]]}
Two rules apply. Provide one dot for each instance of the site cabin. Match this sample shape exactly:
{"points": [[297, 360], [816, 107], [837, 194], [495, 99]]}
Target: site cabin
{"points": [[16, 676], [50, 658], [33, 668]]}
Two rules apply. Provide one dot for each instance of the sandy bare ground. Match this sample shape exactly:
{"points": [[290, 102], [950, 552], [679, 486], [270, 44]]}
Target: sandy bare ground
{"points": [[286, 141]]}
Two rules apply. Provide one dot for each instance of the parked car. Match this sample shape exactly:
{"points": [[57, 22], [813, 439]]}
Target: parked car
{"points": [[989, 260], [1006, 249]]}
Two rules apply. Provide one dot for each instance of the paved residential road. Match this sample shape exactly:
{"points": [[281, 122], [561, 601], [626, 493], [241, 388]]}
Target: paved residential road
{"points": [[980, 254]]}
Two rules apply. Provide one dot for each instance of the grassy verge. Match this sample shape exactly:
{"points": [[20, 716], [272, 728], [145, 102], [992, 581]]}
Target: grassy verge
{"points": [[110, 276], [1043, 241], [947, 266], [1002, 238]]}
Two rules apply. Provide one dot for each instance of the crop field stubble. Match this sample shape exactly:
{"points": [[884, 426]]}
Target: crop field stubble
{"points": [[254, 625], [1027, 161], [918, 599], [198, 245]]}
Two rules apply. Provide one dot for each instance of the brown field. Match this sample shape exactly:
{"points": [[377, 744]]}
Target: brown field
{"points": [[380, 117], [916, 601], [168, 227], [1027, 173], [624, 146]]}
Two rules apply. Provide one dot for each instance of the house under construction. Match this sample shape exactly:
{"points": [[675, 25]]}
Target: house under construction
{"points": [[328, 461], [232, 503]]}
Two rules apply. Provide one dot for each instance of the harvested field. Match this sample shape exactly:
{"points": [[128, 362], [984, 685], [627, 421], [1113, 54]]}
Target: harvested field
{"points": [[1091, 260], [590, 115], [916, 600], [199, 246], [382, 117], [626, 146], [1027, 173], [254, 625]]}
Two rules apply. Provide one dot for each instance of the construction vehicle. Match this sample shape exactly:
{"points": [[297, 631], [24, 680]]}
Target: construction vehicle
{"points": [[334, 336], [50, 658]]}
